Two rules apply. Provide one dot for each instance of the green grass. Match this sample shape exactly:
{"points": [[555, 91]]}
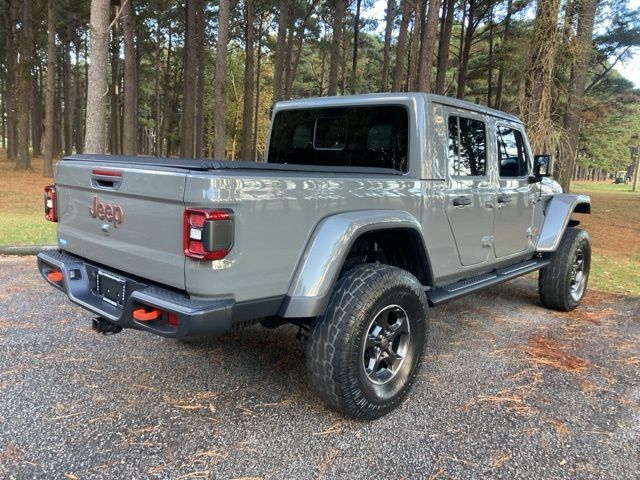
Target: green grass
{"points": [[617, 275], [26, 229], [603, 187], [614, 226]]}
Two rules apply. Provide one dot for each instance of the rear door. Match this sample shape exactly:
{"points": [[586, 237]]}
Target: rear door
{"points": [[128, 218], [516, 196], [469, 200]]}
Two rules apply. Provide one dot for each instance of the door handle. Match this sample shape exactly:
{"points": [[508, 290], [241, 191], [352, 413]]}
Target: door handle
{"points": [[504, 199], [461, 201]]}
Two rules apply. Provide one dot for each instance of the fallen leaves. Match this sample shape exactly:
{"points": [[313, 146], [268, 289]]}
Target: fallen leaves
{"points": [[513, 404], [335, 428], [631, 361], [500, 459], [562, 431], [548, 352]]}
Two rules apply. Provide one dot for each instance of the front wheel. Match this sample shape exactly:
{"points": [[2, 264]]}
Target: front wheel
{"points": [[365, 350], [563, 283]]}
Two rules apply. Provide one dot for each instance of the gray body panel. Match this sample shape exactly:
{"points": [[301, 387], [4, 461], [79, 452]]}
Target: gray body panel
{"points": [[323, 258], [276, 216], [148, 243], [294, 226], [557, 216]]}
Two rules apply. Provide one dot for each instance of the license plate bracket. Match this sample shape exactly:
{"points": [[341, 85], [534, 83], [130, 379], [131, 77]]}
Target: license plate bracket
{"points": [[111, 288]]}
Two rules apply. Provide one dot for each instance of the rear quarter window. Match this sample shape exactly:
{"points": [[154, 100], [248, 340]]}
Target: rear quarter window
{"points": [[368, 136]]}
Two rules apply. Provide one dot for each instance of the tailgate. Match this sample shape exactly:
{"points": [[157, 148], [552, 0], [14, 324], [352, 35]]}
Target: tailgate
{"points": [[128, 218]]}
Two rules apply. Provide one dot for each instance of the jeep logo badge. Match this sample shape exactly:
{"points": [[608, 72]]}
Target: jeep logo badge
{"points": [[111, 213]]}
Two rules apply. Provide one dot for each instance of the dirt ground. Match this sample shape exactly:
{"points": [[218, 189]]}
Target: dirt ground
{"points": [[507, 389]]}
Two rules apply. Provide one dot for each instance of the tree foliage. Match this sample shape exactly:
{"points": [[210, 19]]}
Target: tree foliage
{"points": [[199, 101]]}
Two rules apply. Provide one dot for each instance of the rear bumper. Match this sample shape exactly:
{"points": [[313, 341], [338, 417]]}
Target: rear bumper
{"points": [[194, 317]]}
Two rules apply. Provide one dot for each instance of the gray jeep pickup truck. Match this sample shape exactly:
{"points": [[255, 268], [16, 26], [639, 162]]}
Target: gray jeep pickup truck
{"points": [[367, 211]]}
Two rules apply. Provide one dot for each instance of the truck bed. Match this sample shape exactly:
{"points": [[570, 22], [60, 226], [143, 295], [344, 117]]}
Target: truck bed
{"points": [[203, 165]]}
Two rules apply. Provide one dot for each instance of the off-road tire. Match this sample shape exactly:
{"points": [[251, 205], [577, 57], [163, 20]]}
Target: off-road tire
{"points": [[337, 339], [555, 280]]}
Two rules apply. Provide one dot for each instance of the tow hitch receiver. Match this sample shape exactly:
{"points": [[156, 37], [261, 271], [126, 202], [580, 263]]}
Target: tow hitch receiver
{"points": [[105, 327]]}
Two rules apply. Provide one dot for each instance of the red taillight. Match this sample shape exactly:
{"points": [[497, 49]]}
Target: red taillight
{"points": [[208, 234], [50, 212]]}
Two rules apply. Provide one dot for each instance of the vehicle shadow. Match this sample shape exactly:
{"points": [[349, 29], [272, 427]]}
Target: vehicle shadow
{"points": [[272, 362]]}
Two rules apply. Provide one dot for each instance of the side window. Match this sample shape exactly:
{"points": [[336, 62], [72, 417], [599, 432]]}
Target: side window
{"points": [[512, 154], [467, 147]]}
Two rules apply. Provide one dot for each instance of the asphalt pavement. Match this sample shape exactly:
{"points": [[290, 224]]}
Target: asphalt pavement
{"points": [[507, 389]]}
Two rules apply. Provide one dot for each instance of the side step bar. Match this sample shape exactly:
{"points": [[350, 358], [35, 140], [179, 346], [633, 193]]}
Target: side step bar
{"points": [[455, 290]]}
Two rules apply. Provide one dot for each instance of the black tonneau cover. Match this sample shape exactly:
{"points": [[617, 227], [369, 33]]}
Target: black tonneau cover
{"points": [[206, 165]]}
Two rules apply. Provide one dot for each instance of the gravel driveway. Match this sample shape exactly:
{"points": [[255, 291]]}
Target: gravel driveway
{"points": [[507, 390]]}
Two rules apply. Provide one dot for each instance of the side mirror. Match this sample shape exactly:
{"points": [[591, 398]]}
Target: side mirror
{"points": [[543, 165]]}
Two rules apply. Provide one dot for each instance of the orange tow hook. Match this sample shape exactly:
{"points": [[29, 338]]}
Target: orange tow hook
{"points": [[55, 276], [142, 315]]}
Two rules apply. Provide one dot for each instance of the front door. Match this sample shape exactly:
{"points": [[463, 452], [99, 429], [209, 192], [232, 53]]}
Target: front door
{"points": [[516, 196], [469, 200]]}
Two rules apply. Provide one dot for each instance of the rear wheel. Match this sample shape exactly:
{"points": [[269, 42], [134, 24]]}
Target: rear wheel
{"points": [[563, 283], [365, 350]]}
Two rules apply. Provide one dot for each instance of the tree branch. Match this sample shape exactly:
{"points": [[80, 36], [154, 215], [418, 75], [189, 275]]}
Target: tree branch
{"points": [[601, 75], [118, 15]]}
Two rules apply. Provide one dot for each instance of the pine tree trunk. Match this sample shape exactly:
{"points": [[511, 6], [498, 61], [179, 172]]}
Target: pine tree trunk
{"points": [[401, 49], [114, 111], [579, 76], [501, 69], [386, 54], [427, 45], [47, 169], [538, 79], [414, 48], [323, 61], [68, 101], [354, 60], [466, 49], [10, 82], [490, 59], [158, 118], [166, 91], [247, 111], [443, 46], [97, 78], [219, 94], [278, 66], [189, 83], [256, 110], [130, 107], [343, 66], [36, 113], [58, 131], [23, 161], [3, 110], [291, 73], [288, 55], [78, 102], [340, 7], [200, 58]]}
